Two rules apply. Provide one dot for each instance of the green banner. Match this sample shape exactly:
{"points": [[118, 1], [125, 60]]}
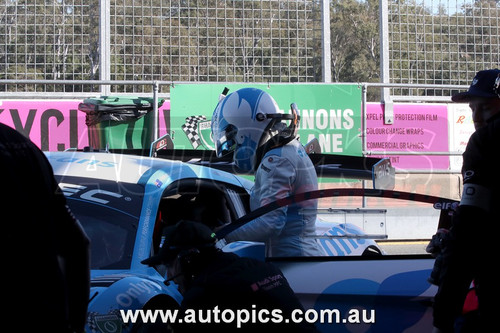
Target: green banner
{"points": [[329, 112]]}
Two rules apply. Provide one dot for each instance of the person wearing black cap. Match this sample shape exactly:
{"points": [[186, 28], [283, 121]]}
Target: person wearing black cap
{"points": [[213, 281], [469, 255], [483, 97]]}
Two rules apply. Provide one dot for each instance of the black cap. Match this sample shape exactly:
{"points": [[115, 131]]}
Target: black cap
{"points": [[485, 84], [184, 235]]}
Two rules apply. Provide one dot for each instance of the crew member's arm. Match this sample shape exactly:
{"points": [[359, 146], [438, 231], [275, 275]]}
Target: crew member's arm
{"points": [[466, 244]]}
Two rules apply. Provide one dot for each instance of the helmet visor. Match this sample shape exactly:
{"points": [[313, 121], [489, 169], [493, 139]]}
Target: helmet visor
{"points": [[225, 140]]}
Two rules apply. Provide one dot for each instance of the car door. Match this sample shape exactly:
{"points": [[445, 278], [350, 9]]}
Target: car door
{"points": [[353, 293], [359, 293]]}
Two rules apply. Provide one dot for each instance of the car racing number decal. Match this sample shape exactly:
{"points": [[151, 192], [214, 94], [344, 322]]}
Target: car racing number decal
{"points": [[70, 189], [124, 197]]}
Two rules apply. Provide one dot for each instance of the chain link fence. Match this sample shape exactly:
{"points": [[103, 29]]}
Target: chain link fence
{"points": [[216, 41], [169, 40], [430, 42], [442, 42], [50, 40]]}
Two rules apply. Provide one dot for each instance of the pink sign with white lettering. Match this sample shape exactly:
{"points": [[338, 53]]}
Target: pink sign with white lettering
{"points": [[417, 128], [56, 125]]}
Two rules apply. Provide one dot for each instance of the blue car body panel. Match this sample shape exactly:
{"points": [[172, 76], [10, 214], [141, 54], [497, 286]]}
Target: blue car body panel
{"points": [[131, 287]]}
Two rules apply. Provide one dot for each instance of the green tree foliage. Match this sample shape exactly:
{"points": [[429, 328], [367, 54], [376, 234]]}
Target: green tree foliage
{"points": [[355, 40]]}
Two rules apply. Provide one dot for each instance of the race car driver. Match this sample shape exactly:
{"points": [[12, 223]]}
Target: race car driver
{"points": [[248, 123], [468, 255], [213, 282]]}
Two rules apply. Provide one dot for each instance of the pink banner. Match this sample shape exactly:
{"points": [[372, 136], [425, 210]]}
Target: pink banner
{"points": [[56, 125], [417, 128]]}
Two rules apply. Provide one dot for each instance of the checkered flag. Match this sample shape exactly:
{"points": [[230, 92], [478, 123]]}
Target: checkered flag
{"points": [[191, 130]]}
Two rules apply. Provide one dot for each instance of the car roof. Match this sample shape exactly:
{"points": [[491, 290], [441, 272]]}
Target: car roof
{"points": [[132, 168]]}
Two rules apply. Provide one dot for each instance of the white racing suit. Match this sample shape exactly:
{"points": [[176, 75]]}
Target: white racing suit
{"points": [[283, 171]]}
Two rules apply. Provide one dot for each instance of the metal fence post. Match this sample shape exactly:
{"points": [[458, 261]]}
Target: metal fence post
{"points": [[105, 44], [155, 111], [384, 62], [326, 61]]}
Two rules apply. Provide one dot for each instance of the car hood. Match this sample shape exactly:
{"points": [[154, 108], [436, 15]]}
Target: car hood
{"points": [[131, 168]]}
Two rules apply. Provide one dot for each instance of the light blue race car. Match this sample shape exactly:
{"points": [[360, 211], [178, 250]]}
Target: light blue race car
{"points": [[124, 200]]}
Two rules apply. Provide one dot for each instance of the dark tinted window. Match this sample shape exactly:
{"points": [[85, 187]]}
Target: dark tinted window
{"points": [[109, 212]]}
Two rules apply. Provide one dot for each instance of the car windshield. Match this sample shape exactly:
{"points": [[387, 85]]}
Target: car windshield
{"points": [[109, 212]]}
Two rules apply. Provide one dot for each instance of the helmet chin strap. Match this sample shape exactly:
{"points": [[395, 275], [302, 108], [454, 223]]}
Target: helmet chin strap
{"points": [[269, 141]]}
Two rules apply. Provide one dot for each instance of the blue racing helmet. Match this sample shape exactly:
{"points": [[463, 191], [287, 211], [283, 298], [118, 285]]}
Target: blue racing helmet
{"points": [[248, 123]]}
